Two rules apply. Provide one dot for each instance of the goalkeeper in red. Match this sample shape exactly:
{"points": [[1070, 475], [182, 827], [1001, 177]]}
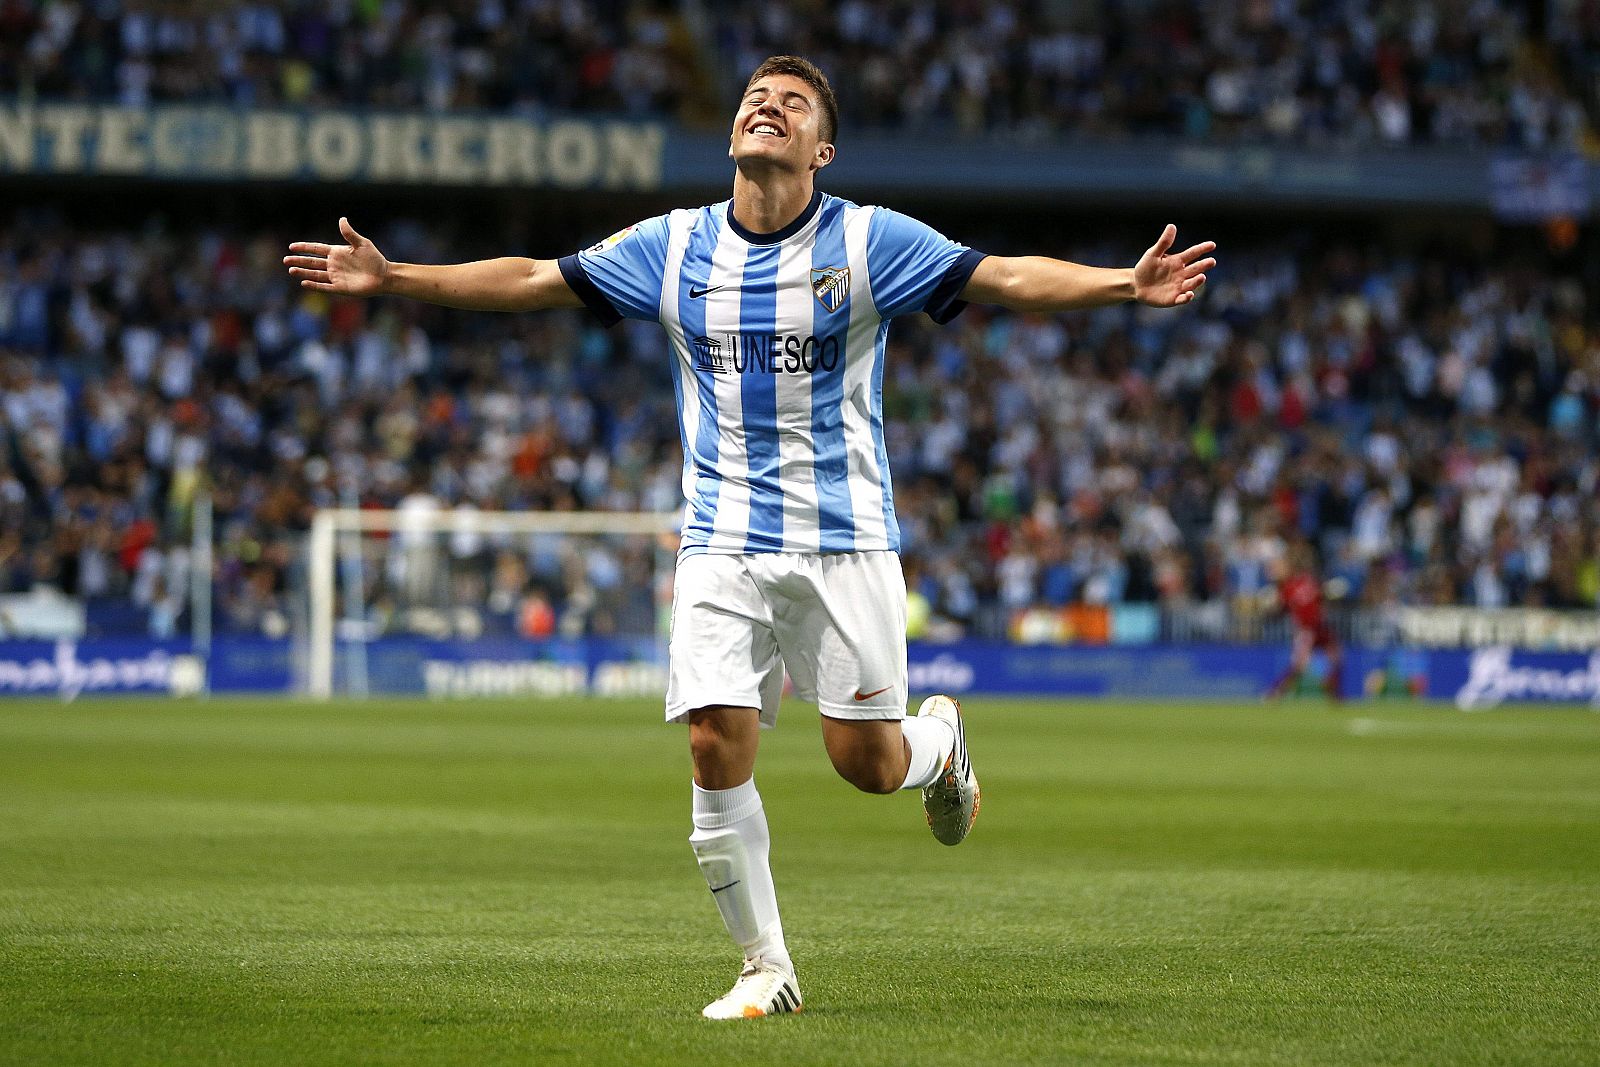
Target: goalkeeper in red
{"points": [[1300, 593], [776, 303]]}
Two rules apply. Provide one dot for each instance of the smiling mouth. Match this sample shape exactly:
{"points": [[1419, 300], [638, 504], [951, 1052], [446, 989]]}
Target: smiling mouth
{"points": [[767, 129]]}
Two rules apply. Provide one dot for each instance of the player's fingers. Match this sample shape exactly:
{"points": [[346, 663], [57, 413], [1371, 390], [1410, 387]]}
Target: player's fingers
{"points": [[314, 262], [321, 287], [312, 247], [309, 275], [1164, 242], [349, 232], [1192, 284], [1199, 268], [1194, 252]]}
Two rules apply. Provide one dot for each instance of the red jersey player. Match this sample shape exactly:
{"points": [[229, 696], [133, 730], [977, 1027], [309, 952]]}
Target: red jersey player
{"points": [[1300, 593]]}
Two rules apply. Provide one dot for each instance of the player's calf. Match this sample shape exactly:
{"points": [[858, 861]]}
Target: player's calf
{"points": [[870, 754], [875, 777]]}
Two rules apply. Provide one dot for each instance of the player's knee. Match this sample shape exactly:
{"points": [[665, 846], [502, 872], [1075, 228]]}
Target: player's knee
{"points": [[705, 746], [709, 746], [722, 745]]}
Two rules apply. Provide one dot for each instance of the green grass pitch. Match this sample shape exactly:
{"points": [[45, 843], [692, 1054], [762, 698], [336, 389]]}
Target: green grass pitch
{"points": [[479, 882]]}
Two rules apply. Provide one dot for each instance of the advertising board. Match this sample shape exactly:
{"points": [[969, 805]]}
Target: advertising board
{"points": [[1472, 679]]}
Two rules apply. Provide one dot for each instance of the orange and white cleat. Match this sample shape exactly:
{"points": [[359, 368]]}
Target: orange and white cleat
{"points": [[762, 990], [951, 800]]}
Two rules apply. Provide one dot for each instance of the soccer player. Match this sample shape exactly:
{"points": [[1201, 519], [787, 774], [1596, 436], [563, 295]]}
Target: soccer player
{"points": [[1301, 596], [777, 303]]}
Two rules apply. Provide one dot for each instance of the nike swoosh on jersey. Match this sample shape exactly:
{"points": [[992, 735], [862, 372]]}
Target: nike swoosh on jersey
{"points": [[868, 696], [696, 294]]}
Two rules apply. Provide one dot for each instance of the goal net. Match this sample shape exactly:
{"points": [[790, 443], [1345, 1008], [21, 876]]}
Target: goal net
{"points": [[462, 602]]}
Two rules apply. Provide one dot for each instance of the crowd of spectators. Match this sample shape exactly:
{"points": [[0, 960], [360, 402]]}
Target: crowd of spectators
{"points": [[1458, 72], [1427, 422]]}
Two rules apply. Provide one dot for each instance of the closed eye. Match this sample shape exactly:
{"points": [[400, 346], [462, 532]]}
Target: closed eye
{"points": [[793, 101]]}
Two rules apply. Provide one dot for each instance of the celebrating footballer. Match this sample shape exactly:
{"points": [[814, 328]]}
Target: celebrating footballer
{"points": [[777, 304]]}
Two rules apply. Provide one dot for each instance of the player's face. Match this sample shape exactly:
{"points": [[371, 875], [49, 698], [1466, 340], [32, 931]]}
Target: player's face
{"points": [[779, 123]]}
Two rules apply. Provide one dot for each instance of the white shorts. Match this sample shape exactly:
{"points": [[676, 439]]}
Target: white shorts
{"points": [[837, 621]]}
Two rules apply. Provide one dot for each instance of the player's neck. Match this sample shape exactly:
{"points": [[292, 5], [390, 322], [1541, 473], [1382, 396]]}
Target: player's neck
{"points": [[770, 201]]}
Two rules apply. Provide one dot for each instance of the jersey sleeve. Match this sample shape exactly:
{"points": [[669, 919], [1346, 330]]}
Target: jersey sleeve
{"points": [[621, 277], [914, 268]]}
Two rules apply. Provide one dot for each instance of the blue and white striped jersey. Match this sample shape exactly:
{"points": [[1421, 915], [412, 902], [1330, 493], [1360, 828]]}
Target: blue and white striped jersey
{"points": [[778, 345]]}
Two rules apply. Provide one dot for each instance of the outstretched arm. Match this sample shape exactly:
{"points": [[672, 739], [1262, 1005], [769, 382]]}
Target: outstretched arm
{"points": [[357, 268], [1161, 278]]}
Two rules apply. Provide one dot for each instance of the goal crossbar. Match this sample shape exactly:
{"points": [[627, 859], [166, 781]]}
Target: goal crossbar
{"points": [[328, 523]]}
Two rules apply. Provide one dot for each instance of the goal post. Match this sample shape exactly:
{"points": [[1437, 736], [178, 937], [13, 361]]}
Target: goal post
{"points": [[330, 527]]}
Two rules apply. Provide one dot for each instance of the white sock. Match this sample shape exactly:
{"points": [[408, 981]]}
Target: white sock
{"points": [[931, 742], [731, 844]]}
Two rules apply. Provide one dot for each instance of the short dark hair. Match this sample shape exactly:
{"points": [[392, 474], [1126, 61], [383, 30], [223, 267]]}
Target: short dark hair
{"points": [[812, 75]]}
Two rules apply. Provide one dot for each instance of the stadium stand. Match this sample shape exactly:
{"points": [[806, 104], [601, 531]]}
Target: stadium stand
{"points": [[1358, 71], [1426, 416], [1429, 419]]}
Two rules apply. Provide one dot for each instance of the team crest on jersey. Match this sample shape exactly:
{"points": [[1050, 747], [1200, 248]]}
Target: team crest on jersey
{"points": [[610, 242], [832, 285]]}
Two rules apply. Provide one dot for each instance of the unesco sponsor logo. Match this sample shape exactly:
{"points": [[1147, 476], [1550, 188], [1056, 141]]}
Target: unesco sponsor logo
{"points": [[761, 353]]}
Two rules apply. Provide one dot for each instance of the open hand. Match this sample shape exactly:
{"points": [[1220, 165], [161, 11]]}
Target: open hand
{"points": [[353, 269], [1164, 279]]}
